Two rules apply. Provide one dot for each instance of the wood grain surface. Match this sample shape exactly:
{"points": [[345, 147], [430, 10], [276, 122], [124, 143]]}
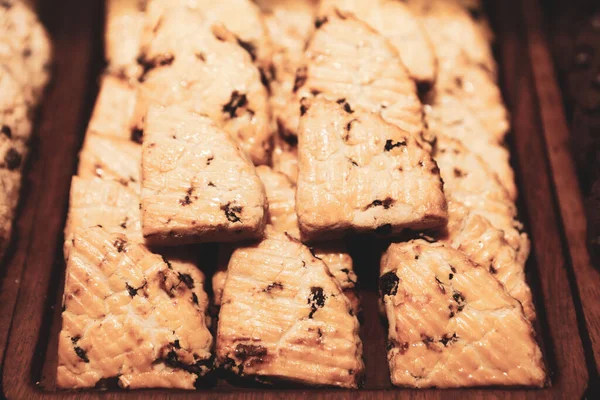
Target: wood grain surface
{"points": [[29, 354], [573, 34]]}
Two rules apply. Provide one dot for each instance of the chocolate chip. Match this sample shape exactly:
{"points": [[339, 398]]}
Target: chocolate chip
{"points": [[187, 280], [137, 135], [209, 160], [390, 144], [246, 351], [448, 339], [249, 47], [423, 87], [236, 101], [264, 80], [274, 285], [303, 109], [176, 344], [186, 201], [75, 339], [386, 203], [316, 300], [458, 173], [320, 21], [403, 347], [349, 124], [194, 298], [12, 159], [120, 245], [346, 105], [82, 354], [6, 131], [167, 262], [132, 291], [301, 77], [388, 284], [231, 212]]}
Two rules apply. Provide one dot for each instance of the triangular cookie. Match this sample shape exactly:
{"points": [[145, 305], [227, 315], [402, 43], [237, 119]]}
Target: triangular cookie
{"points": [[360, 173], [284, 317], [452, 324], [132, 315], [197, 183]]}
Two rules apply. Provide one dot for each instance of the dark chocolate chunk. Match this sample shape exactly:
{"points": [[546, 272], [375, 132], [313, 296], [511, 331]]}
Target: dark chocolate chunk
{"points": [[272, 286], [132, 291], [167, 262], [301, 76], [458, 173], [6, 131], [303, 109], [316, 300], [320, 21], [346, 105], [390, 144], [232, 212], [187, 280], [186, 201], [81, 353], [249, 47], [137, 135], [264, 80], [386, 203], [12, 159], [194, 298], [388, 284], [246, 351], [120, 245], [349, 124], [236, 101], [448, 339]]}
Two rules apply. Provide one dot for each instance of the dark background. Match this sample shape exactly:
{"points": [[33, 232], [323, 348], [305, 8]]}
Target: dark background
{"points": [[573, 30]]}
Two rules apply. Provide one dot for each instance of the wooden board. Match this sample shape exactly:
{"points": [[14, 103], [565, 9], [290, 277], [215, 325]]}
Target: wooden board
{"points": [[30, 309]]}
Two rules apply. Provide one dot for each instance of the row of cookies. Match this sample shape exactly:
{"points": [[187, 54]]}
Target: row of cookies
{"points": [[130, 312], [25, 56], [113, 201], [466, 124]]}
